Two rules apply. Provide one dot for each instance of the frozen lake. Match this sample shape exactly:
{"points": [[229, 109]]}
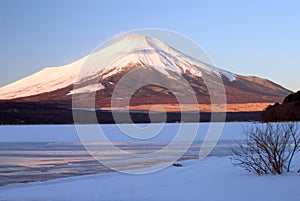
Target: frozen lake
{"points": [[67, 133], [44, 152]]}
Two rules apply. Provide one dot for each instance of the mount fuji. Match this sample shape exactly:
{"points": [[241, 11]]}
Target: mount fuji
{"points": [[59, 84]]}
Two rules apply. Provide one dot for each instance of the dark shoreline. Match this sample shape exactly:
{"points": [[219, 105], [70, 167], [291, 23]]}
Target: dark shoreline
{"points": [[30, 113]]}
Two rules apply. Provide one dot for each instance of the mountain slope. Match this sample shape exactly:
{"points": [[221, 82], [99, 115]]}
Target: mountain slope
{"points": [[149, 56]]}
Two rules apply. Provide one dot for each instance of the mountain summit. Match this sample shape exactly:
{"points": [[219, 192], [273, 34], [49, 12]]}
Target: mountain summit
{"points": [[123, 54]]}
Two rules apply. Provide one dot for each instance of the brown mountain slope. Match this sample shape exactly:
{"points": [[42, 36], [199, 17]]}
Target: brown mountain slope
{"points": [[243, 90]]}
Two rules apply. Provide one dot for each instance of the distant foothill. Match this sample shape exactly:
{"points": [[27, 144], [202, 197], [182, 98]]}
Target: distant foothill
{"points": [[288, 110]]}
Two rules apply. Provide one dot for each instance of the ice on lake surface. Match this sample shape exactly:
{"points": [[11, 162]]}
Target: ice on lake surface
{"points": [[26, 162], [67, 133], [44, 152]]}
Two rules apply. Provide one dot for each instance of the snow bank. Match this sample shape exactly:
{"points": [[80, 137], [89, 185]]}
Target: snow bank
{"points": [[208, 179]]}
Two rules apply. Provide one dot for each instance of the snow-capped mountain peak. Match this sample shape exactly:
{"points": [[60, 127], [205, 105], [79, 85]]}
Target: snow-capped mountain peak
{"points": [[148, 51], [118, 56]]}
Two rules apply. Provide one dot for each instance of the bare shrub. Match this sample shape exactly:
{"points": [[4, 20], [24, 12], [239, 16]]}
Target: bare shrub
{"points": [[269, 148]]}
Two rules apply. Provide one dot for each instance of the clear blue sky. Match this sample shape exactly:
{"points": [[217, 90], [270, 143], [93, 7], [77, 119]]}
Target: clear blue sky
{"points": [[259, 38]]}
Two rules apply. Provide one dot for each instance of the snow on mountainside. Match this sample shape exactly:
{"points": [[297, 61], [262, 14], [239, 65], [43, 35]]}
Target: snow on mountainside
{"points": [[46, 80], [123, 51]]}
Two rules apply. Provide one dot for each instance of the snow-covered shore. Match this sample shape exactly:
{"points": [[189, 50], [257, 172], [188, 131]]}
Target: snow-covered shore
{"points": [[213, 178]]}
